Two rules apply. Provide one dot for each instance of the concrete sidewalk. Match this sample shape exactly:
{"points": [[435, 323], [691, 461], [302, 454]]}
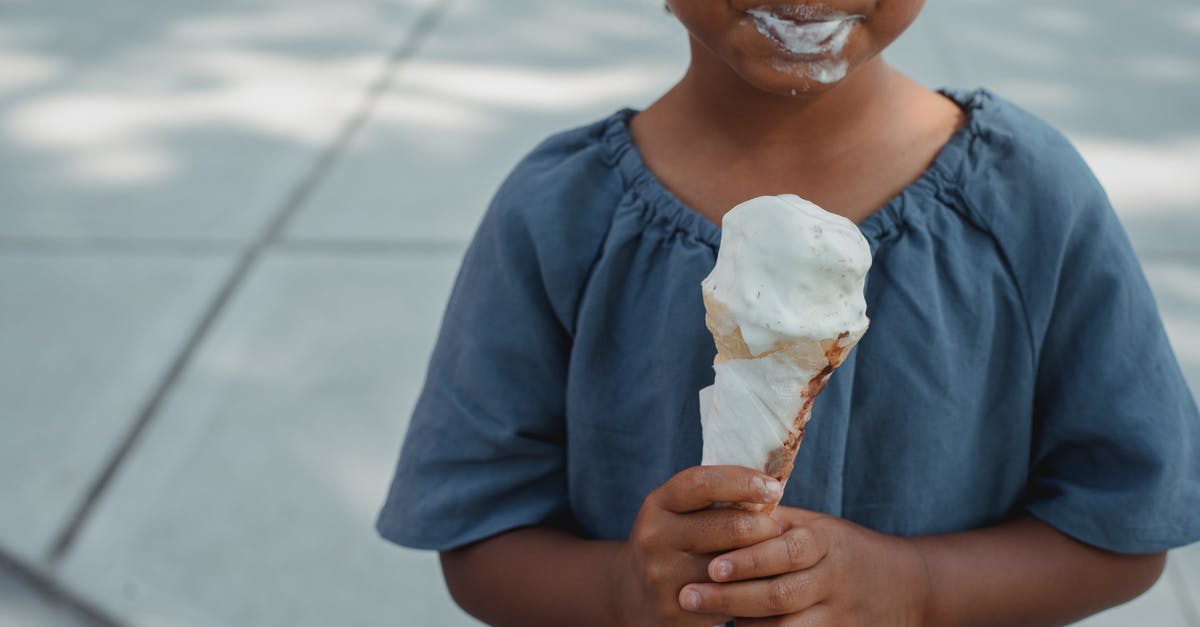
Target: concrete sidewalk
{"points": [[228, 229]]}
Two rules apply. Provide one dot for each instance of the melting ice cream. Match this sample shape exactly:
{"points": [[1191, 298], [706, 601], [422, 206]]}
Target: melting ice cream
{"points": [[805, 34], [827, 36], [785, 306]]}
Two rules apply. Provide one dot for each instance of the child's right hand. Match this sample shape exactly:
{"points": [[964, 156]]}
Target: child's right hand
{"points": [[676, 534]]}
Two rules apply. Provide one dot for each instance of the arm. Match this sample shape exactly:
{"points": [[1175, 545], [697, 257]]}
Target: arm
{"points": [[1027, 573], [826, 569], [535, 576]]}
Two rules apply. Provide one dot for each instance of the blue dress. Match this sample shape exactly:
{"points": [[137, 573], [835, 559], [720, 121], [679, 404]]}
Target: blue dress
{"points": [[1016, 361]]}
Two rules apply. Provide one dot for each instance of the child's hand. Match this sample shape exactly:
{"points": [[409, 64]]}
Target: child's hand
{"points": [[821, 571], [676, 534]]}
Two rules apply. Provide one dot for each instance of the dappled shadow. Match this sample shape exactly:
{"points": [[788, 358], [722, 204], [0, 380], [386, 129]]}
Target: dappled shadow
{"points": [[87, 38], [494, 80], [1104, 68], [105, 110], [570, 60]]}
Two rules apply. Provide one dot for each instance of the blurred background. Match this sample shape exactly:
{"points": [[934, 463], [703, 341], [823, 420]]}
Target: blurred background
{"points": [[228, 229]]}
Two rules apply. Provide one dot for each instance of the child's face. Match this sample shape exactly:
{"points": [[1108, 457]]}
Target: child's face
{"points": [[789, 47]]}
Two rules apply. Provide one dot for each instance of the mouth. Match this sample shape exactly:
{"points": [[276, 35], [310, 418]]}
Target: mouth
{"points": [[803, 31]]}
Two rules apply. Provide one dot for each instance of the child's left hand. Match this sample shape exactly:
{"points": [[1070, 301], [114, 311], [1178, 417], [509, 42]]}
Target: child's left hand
{"points": [[821, 571]]}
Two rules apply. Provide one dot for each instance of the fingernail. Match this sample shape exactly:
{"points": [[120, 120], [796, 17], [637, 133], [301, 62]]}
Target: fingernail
{"points": [[723, 569], [771, 489], [691, 599]]}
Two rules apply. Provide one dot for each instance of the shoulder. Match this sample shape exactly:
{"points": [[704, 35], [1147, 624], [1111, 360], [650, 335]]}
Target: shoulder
{"points": [[566, 178], [1021, 173], [551, 215]]}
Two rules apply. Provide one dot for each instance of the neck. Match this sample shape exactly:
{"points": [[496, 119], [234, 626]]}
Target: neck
{"points": [[753, 121]]}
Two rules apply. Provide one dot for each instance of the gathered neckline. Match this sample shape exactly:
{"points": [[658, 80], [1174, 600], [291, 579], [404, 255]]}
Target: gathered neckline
{"points": [[941, 173]]}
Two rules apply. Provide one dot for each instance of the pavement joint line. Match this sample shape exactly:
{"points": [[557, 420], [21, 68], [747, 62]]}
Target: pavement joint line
{"points": [[372, 247], [55, 593], [181, 247], [408, 45], [120, 245], [1187, 604]]}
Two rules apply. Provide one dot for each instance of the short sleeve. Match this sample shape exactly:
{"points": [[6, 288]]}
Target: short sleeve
{"points": [[1116, 459], [484, 452]]}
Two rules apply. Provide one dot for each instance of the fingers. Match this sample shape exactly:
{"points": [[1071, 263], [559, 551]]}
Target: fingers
{"points": [[796, 549], [784, 594], [717, 530], [700, 486]]}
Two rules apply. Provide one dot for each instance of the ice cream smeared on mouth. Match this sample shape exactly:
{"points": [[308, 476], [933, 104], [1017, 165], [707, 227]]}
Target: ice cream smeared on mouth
{"points": [[808, 33], [826, 36], [785, 305]]}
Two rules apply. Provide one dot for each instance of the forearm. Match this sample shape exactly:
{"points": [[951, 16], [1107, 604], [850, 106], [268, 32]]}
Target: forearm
{"points": [[1026, 573], [534, 576]]}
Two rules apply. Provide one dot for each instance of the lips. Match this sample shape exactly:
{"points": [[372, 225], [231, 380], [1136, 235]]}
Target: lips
{"points": [[805, 30], [799, 12]]}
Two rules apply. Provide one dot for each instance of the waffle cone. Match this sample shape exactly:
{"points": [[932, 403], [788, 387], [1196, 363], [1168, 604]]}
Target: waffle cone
{"points": [[812, 362]]}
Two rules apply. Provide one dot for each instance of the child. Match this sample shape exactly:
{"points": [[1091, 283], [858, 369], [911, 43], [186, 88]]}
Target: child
{"points": [[1012, 442]]}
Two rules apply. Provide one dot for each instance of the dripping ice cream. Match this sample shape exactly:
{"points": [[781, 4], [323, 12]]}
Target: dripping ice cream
{"points": [[785, 305]]}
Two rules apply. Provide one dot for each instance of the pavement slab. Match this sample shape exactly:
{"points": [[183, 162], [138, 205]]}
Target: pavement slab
{"points": [[130, 119], [251, 498], [492, 81], [85, 340]]}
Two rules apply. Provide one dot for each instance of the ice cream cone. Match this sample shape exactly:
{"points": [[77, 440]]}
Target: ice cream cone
{"points": [[789, 275]]}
